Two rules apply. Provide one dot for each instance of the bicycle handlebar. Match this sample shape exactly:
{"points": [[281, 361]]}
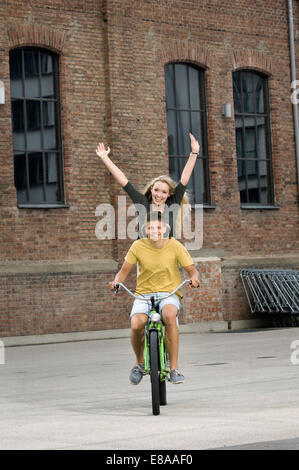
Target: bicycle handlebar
{"points": [[120, 284]]}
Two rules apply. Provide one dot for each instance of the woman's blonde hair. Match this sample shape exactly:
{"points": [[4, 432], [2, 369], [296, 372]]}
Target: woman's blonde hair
{"points": [[185, 204]]}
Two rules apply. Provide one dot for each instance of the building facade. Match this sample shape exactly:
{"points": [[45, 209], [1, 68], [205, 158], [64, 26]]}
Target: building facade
{"points": [[139, 75]]}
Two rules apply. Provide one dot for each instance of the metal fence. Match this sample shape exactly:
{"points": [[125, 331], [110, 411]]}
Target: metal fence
{"points": [[273, 291]]}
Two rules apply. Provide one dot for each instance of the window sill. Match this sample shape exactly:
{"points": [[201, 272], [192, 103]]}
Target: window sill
{"points": [[43, 206], [204, 206], [259, 207]]}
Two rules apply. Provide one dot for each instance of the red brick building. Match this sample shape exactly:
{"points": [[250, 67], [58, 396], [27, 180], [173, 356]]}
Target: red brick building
{"points": [[138, 75]]}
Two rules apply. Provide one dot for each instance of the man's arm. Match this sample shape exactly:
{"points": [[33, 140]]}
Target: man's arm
{"points": [[122, 274], [193, 275]]}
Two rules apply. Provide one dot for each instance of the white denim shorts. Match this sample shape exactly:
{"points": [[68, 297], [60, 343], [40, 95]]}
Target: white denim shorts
{"points": [[140, 306]]}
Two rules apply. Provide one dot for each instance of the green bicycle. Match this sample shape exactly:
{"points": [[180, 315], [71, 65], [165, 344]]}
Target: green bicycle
{"points": [[155, 352]]}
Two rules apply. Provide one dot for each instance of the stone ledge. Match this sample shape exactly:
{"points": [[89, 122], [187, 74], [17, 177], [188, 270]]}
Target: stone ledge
{"points": [[49, 267], [262, 262]]}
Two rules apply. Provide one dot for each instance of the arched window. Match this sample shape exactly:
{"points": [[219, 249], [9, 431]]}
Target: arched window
{"points": [[35, 109], [253, 140], [186, 112]]}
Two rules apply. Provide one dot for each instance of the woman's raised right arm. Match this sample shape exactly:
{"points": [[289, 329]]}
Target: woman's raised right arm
{"points": [[114, 170]]}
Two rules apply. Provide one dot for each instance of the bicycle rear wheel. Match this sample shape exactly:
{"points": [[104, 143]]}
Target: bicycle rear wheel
{"points": [[154, 368]]}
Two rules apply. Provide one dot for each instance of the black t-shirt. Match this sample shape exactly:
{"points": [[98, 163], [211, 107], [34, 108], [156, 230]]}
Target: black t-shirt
{"points": [[140, 199]]}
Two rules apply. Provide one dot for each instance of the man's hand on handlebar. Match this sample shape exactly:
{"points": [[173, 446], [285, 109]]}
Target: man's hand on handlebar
{"points": [[194, 282], [112, 285]]}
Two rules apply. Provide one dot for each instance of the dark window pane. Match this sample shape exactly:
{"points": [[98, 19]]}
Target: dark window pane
{"points": [[237, 92], [172, 133], [32, 84], [196, 126], [253, 195], [264, 171], [20, 171], [250, 141], [17, 110], [261, 138], [239, 137], [33, 115], [241, 171], [181, 86], [252, 168], [31, 63], [259, 94], [183, 132], [52, 176], [169, 84], [248, 92], [194, 88], [36, 176], [34, 137], [47, 81], [252, 181], [48, 113], [197, 181], [46, 63], [49, 125], [242, 180], [15, 64]]}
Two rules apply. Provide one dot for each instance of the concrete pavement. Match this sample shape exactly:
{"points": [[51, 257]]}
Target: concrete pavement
{"points": [[241, 391]]}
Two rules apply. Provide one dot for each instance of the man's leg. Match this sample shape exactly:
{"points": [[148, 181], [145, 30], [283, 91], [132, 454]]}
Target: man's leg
{"points": [[169, 314], [138, 322]]}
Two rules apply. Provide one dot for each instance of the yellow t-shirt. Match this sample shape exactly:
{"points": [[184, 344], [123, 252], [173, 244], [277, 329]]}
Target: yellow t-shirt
{"points": [[158, 269]]}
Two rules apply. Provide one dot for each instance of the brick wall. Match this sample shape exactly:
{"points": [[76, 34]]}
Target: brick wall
{"points": [[112, 55]]}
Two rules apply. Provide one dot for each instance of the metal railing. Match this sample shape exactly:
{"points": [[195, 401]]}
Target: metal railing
{"points": [[273, 291]]}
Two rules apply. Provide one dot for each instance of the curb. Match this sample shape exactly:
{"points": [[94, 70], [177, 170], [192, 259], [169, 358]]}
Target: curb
{"points": [[201, 327]]}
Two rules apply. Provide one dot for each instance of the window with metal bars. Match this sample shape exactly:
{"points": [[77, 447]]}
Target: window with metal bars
{"points": [[35, 106], [186, 112], [253, 138]]}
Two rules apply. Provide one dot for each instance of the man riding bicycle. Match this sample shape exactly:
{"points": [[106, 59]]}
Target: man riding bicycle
{"points": [[157, 257]]}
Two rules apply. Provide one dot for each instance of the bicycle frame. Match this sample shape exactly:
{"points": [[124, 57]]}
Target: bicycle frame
{"points": [[154, 323]]}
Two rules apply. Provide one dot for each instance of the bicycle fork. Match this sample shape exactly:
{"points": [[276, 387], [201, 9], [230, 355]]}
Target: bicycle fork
{"points": [[162, 349]]}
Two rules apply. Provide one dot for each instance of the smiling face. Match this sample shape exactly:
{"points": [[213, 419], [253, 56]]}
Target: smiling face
{"points": [[155, 230], [160, 192]]}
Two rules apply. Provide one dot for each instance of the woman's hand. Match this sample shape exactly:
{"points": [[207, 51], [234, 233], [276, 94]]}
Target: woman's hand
{"points": [[195, 147], [101, 152]]}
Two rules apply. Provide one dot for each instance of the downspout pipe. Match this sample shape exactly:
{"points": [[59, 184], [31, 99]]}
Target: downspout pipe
{"points": [[293, 86]]}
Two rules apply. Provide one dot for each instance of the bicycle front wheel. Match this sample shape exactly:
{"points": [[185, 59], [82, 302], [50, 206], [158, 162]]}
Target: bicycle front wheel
{"points": [[154, 368]]}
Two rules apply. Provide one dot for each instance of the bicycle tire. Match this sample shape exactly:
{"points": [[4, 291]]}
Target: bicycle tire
{"points": [[154, 371], [163, 399]]}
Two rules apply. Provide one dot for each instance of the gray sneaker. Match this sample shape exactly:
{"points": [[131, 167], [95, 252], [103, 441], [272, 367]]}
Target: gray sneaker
{"points": [[176, 377], [136, 374]]}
